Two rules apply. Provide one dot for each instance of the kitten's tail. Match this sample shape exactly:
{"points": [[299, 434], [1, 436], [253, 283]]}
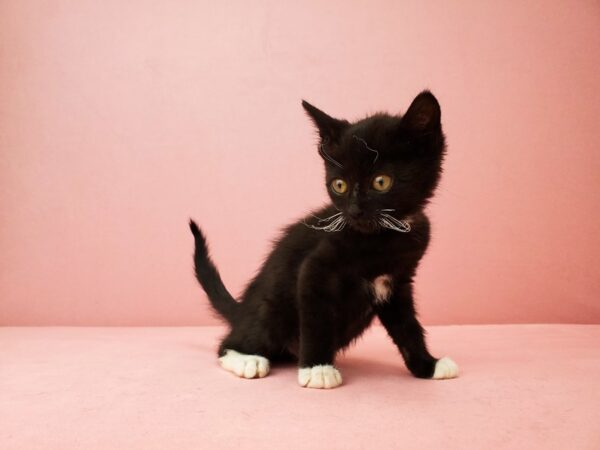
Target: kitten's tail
{"points": [[209, 278]]}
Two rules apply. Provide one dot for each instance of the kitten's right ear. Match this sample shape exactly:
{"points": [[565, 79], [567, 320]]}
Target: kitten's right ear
{"points": [[424, 113], [329, 128]]}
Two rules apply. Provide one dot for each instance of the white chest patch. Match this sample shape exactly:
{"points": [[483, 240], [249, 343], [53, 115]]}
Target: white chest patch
{"points": [[382, 288]]}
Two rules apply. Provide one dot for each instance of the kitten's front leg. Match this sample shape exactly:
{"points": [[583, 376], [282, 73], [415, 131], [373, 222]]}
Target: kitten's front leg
{"points": [[397, 314], [316, 300]]}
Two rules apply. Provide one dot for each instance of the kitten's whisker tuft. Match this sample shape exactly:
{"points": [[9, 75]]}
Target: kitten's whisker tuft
{"points": [[337, 224]]}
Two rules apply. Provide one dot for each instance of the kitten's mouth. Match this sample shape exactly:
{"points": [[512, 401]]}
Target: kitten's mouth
{"points": [[364, 225]]}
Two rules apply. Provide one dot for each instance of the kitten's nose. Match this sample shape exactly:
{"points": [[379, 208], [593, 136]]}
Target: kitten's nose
{"points": [[355, 212]]}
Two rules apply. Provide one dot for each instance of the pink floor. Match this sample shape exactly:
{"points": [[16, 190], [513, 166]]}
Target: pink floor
{"points": [[521, 387]]}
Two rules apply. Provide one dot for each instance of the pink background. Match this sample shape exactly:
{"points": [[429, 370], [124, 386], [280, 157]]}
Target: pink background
{"points": [[119, 120]]}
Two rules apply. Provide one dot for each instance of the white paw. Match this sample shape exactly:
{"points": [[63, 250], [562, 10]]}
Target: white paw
{"points": [[245, 366], [445, 368], [319, 377]]}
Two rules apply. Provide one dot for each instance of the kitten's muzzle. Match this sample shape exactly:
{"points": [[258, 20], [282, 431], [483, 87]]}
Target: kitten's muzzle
{"points": [[364, 224], [355, 213]]}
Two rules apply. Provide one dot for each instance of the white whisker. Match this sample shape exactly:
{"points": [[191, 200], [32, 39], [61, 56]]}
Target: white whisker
{"points": [[368, 148], [326, 218], [390, 222], [328, 157], [337, 224]]}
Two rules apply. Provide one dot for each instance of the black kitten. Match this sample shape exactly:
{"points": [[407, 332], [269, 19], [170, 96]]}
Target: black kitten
{"points": [[333, 271]]}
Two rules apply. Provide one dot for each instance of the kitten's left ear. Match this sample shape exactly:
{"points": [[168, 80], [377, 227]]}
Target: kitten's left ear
{"points": [[329, 128], [424, 113]]}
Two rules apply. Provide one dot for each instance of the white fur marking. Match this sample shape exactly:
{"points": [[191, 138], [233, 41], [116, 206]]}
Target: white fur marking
{"points": [[244, 366], [445, 368], [382, 288], [319, 377]]}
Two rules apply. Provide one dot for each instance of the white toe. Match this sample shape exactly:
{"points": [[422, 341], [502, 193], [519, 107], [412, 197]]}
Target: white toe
{"points": [[304, 376], [238, 366], [319, 377], [329, 380], [316, 378], [445, 368], [263, 367], [251, 369]]}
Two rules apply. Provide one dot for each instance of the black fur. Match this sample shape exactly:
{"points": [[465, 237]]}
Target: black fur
{"points": [[312, 297]]}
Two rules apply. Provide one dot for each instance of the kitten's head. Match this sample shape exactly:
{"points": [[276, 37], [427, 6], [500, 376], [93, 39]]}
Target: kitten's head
{"points": [[382, 162]]}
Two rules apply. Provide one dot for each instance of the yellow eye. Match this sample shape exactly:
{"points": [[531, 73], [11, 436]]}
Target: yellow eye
{"points": [[339, 186], [382, 183]]}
